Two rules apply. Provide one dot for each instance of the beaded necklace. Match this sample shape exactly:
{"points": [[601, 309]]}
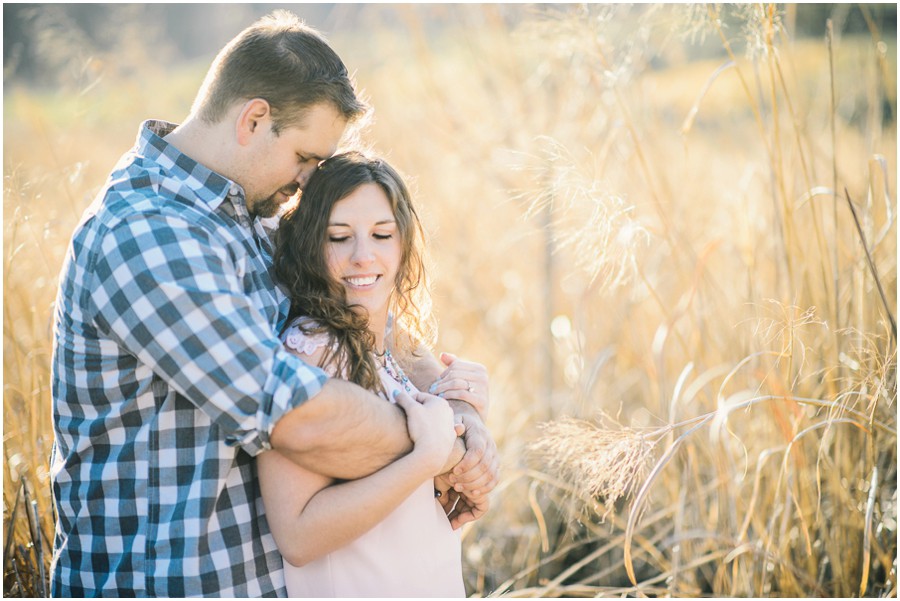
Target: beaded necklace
{"points": [[394, 370]]}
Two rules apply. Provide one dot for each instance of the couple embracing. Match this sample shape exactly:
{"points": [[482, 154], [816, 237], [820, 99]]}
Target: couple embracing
{"points": [[244, 411]]}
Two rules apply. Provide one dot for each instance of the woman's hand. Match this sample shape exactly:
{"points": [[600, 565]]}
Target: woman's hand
{"points": [[463, 381], [430, 422]]}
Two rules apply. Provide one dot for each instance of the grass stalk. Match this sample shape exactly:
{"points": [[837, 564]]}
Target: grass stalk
{"points": [[777, 159], [832, 114], [716, 21], [887, 74], [820, 240], [641, 496], [10, 527], [872, 268], [867, 532], [34, 521], [650, 175]]}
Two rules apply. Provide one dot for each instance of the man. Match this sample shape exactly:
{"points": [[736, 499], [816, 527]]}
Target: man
{"points": [[168, 376]]}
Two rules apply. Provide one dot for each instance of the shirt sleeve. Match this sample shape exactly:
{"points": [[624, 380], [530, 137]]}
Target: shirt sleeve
{"points": [[171, 294]]}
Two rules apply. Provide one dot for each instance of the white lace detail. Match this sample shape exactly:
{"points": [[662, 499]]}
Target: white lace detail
{"points": [[305, 344]]}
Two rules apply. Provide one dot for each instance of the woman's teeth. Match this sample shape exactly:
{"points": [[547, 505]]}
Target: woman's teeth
{"points": [[366, 281]]}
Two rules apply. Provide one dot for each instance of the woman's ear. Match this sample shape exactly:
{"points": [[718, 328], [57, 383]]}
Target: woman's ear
{"points": [[255, 118]]}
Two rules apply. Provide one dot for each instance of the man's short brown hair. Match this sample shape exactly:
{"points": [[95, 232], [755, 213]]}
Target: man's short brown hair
{"points": [[283, 61]]}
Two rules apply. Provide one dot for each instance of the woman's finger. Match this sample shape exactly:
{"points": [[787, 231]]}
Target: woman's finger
{"points": [[463, 367], [479, 375], [456, 384], [404, 400], [459, 367], [454, 364]]}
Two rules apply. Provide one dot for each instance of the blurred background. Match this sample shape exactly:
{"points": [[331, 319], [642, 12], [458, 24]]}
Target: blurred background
{"points": [[669, 232]]}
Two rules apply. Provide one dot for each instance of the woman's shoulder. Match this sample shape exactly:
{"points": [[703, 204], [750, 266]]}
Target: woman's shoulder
{"points": [[296, 336]]}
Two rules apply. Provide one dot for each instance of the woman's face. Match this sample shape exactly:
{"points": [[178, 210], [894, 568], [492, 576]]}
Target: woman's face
{"points": [[363, 250]]}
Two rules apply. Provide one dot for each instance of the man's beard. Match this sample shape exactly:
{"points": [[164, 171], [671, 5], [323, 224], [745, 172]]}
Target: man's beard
{"points": [[273, 205], [265, 208]]}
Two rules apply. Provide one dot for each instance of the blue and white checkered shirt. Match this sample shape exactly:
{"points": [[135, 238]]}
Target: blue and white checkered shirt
{"points": [[168, 377]]}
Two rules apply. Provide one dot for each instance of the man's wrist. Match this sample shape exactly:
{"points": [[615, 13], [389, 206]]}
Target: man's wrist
{"points": [[463, 408], [423, 368], [456, 454]]}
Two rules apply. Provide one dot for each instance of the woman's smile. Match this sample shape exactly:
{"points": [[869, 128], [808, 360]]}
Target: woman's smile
{"points": [[361, 282]]}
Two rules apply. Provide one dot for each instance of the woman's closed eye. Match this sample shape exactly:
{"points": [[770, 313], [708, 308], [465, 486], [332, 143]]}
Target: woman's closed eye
{"points": [[382, 236], [338, 238]]}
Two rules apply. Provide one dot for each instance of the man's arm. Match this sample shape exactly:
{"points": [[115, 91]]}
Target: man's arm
{"points": [[347, 432], [343, 432]]}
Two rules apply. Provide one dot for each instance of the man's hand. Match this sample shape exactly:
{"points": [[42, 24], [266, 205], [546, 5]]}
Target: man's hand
{"points": [[464, 509], [443, 490], [460, 509], [478, 472]]}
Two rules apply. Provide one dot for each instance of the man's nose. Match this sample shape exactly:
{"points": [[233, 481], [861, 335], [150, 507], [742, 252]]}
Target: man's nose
{"points": [[303, 176]]}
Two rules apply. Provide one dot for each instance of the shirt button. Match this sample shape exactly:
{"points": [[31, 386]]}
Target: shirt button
{"points": [[234, 190]]}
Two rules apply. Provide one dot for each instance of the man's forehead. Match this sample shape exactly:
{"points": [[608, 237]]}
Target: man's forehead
{"points": [[322, 116], [319, 138]]}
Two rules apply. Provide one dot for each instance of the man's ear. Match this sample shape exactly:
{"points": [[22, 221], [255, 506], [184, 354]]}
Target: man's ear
{"points": [[255, 117]]}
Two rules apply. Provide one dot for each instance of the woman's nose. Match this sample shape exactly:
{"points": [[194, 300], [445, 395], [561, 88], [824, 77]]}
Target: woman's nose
{"points": [[362, 252]]}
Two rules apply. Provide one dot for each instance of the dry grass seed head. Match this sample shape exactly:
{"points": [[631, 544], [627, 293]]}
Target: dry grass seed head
{"points": [[597, 227], [598, 462]]}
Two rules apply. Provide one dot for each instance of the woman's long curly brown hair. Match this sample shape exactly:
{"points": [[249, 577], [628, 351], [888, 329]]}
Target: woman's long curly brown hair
{"points": [[301, 268]]}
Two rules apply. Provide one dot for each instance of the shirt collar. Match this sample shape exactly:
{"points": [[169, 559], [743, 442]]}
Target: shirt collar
{"points": [[209, 186]]}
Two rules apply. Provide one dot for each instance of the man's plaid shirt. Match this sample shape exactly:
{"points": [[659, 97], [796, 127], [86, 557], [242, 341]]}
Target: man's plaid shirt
{"points": [[168, 377]]}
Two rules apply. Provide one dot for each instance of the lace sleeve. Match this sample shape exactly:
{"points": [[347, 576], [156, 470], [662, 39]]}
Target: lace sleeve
{"points": [[307, 344], [295, 339]]}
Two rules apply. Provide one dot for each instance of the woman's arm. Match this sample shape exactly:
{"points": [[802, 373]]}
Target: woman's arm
{"points": [[309, 518]]}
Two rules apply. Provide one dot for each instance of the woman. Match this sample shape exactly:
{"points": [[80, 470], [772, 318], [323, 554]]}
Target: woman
{"points": [[349, 256]]}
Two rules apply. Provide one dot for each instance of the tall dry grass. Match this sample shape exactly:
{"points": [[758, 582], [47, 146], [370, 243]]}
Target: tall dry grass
{"points": [[642, 221]]}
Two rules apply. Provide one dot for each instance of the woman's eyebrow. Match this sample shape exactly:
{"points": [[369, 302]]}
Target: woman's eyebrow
{"points": [[382, 222]]}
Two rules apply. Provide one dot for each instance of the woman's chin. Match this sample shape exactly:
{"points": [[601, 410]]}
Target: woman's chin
{"points": [[376, 315]]}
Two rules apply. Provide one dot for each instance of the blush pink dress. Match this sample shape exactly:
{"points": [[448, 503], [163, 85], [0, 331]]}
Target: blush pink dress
{"points": [[413, 552]]}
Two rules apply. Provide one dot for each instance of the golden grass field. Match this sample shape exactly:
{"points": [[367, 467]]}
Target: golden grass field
{"points": [[653, 250]]}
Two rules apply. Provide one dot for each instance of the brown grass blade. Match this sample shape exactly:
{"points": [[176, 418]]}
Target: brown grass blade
{"points": [[10, 528], [641, 496], [867, 533], [874, 270], [688, 123], [34, 521]]}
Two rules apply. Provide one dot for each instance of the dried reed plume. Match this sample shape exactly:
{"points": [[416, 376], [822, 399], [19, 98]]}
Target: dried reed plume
{"points": [[599, 463], [595, 226]]}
